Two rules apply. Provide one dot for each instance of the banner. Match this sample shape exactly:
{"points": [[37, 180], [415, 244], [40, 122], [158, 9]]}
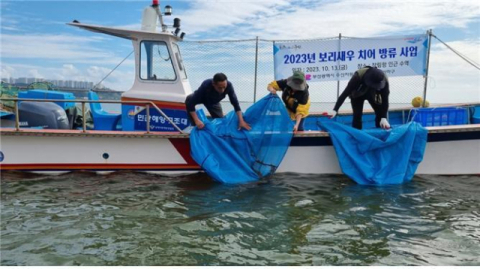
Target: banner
{"points": [[327, 60]]}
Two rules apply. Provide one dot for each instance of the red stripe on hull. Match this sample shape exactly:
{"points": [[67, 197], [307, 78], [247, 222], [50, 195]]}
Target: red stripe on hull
{"points": [[182, 145]]}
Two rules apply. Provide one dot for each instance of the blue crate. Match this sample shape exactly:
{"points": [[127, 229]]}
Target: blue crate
{"points": [[440, 116]]}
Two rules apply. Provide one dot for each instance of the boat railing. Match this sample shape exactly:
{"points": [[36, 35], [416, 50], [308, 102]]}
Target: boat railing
{"points": [[147, 104]]}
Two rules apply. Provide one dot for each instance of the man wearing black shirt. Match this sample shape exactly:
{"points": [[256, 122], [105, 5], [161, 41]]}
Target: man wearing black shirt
{"points": [[210, 93], [371, 84]]}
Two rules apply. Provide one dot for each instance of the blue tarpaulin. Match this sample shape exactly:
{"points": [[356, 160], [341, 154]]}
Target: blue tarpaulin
{"points": [[376, 156], [232, 156]]}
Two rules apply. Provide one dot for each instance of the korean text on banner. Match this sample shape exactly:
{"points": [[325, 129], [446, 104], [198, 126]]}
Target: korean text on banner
{"points": [[328, 60]]}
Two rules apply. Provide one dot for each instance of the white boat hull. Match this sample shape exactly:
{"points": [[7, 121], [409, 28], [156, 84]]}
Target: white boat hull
{"points": [[440, 158], [450, 151]]}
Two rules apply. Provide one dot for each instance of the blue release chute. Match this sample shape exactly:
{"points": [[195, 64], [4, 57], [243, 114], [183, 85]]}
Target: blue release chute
{"points": [[376, 156], [232, 156]]}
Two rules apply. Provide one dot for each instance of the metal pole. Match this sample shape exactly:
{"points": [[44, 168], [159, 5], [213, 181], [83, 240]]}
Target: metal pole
{"points": [[160, 17], [256, 70], [84, 124], [17, 116], [339, 49], [148, 118], [429, 33]]}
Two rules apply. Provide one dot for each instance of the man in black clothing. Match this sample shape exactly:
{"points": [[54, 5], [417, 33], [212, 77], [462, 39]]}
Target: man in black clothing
{"points": [[368, 83], [210, 93]]}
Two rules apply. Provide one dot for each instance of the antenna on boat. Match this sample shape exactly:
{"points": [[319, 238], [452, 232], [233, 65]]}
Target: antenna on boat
{"points": [[150, 15]]}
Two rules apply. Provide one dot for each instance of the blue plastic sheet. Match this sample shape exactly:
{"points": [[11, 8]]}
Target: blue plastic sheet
{"points": [[232, 156], [376, 156]]}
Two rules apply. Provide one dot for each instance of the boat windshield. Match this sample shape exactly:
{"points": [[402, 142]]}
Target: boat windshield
{"points": [[156, 61], [178, 57]]}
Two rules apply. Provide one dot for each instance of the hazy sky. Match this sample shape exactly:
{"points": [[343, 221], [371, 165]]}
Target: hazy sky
{"points": [[36, 42]]}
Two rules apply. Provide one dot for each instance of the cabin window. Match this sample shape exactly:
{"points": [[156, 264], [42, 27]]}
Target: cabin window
{"points": [[178, 58], [156, 61]]}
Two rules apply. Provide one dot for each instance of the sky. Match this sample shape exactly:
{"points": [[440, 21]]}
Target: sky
{"points": [[36, 42]]}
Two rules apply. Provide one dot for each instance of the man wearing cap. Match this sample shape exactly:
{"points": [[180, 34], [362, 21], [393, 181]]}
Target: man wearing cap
{"points": [[295, 96], [368, 83], [210, 93]]}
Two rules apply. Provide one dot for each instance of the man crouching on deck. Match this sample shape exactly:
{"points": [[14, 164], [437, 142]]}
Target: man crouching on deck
{"points": [[210, 93]]}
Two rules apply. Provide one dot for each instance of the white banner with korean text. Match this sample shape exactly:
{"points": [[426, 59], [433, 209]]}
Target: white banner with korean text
{"points": [[327, 60]]}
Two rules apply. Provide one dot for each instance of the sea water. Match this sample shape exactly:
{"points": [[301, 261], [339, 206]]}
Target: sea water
{"points": [[129, 218]]}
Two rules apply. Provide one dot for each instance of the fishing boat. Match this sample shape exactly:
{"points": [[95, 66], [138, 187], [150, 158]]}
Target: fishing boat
{"points": [[38, 136]]}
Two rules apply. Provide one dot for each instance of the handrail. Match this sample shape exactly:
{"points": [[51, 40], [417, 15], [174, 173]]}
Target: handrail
{"points": [[83, 101], [165, 116]]}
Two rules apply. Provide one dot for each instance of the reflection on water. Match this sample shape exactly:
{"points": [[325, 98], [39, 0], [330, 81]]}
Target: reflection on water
{"points": [[140, 219]]}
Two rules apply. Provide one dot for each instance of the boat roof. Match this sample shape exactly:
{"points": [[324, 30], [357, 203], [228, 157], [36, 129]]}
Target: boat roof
{"points": [[123, 33]]}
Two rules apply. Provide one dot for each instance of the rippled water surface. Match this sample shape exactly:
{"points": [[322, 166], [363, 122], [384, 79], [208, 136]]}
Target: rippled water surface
{"points": [[139, 219]]}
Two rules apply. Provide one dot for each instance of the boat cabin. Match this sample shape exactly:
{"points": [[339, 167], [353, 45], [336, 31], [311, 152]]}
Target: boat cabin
{"points": [[160, 75]]}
